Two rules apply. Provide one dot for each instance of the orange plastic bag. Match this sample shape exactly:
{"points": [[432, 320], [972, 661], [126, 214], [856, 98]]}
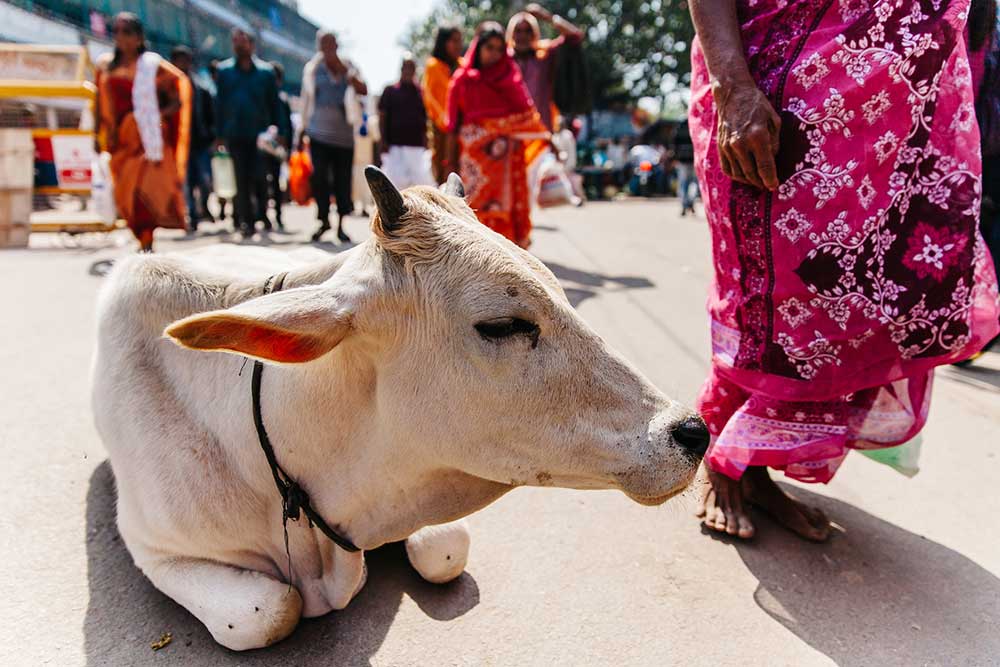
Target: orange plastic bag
{"points": [[300, 170]]}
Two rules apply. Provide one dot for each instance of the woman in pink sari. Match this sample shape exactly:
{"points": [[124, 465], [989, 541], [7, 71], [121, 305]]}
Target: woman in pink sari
{"points": [[838, 154]]}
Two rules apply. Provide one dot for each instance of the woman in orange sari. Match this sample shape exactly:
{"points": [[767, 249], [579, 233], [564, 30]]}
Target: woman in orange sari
{"points": [[500, 134], [443, 61], [143, 115]]}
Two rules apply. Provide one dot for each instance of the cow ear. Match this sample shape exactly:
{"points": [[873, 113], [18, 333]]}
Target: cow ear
{"points": [[287, 327]]}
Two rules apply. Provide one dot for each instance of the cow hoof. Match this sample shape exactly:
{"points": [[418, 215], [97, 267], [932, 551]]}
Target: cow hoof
{"points": [[261, 623], [439, 553]]}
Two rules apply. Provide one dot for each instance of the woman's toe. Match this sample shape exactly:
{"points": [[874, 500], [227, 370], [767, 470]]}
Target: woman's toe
{"points": [[817, 517], [819, 533], [746, 527], [714, 519], [732, 524]]}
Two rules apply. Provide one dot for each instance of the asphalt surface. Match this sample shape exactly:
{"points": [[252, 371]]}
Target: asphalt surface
{"points": [[910, 577]]}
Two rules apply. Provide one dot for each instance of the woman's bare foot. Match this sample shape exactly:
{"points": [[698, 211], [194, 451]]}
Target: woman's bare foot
{"points": [[722, 506], [760, 490], [725, 506]]}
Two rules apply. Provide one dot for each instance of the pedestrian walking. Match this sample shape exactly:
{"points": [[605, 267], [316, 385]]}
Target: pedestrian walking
{"points": [[143, 117], [274, 163], [682, 152], [199, 164], [537, 58], [403, 122], [330, 86], [500, 132], [848, 260], [246, 104], [442, 63], [225, 210]]}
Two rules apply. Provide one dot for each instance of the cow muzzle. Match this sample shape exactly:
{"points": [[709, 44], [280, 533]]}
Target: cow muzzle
{"points": [[667, 462]]}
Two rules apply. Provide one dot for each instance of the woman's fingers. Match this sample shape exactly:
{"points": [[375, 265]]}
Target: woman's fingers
{"points": [[736, 170], [767, 170], [749, 158], [727, 166], [744, 159], [749, 137], [775, 131]]}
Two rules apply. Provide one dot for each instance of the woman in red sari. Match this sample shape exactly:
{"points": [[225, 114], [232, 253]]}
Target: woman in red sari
{"points": [[500, 134], [143, 119], [838, 153]]}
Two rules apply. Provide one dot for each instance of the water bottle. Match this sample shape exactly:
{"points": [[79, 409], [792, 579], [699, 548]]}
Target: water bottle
{"points": [[223, 175]]}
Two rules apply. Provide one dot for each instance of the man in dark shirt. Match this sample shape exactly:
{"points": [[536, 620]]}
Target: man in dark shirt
{"points": [[403, 123], [246, 104], [199, 170]]}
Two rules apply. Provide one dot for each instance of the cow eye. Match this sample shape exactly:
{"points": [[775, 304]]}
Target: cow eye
{"points": [[505, 327]]}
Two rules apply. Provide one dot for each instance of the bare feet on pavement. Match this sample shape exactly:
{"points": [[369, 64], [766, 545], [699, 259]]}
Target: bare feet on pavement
{"points": [[725, 506]]}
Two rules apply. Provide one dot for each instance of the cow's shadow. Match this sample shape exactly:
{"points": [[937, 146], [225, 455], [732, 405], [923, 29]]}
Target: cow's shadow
{"points": [[875, 594], [126, 613]]}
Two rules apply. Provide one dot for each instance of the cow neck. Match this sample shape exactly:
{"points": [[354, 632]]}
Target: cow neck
{"points": [[294, 499]]}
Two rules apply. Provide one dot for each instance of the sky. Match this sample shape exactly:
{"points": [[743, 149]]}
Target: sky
{"points": [[369, 31]]}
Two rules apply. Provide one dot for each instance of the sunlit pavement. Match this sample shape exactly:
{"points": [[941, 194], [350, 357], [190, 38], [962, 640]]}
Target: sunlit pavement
{"points": [[555, 577]]}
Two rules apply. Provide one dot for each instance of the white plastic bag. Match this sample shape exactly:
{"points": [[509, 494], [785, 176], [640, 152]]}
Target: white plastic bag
{"points": [[554, 187], [223, 176], [102, 191]]}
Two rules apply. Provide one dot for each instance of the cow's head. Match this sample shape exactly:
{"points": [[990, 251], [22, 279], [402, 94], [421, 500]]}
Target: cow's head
{"points": [[457, 365]]}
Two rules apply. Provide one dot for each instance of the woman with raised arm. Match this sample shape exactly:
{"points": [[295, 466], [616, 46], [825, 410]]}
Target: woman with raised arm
{"points": [[143, 121], [537, 57], [838, 154], [500, 134]]}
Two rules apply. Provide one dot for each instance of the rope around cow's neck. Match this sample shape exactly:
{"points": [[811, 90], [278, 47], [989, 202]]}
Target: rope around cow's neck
{"points": [[293, 497]]}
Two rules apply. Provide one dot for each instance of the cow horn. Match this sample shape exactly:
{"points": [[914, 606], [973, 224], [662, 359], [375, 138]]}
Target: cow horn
{"points": [[454, 186], [387, 198]]}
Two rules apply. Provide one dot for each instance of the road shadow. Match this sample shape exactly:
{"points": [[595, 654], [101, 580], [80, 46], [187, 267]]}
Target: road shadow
{"points": [[125, 613], [330, 246], [979, 377], [581, 285], [875, 594], [223, 233]]}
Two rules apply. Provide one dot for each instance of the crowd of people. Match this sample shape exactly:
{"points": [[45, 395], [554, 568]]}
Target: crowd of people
{"points": [[487, 115]]}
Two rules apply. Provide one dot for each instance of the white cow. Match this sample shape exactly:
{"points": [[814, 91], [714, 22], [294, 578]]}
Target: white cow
{"points": [[409, 382]]}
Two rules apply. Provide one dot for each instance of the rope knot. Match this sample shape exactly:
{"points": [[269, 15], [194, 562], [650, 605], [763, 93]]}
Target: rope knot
{"points": [[295, 499]]}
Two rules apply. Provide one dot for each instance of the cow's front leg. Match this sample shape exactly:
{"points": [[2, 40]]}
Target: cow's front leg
{"points": [[242, 609], [439, 553]]}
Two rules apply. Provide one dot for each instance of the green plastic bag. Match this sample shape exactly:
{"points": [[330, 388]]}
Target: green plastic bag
{"points": [[904, 458]]}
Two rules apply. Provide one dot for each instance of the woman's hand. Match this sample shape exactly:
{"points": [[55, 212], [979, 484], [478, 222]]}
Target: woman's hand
{"points": [[539, 12], [749, 128], [360, 87]]}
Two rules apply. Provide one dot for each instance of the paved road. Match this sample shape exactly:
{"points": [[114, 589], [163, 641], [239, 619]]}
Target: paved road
{"points": [[555, 577]]}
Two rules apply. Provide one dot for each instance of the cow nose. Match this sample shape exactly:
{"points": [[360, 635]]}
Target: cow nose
{"points": [[692, 435]]}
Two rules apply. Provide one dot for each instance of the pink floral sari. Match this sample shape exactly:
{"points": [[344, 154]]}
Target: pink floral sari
{"points": [[837, 295]]}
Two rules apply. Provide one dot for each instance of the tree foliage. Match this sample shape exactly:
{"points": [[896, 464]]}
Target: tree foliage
{"points": [[634, 48]]}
